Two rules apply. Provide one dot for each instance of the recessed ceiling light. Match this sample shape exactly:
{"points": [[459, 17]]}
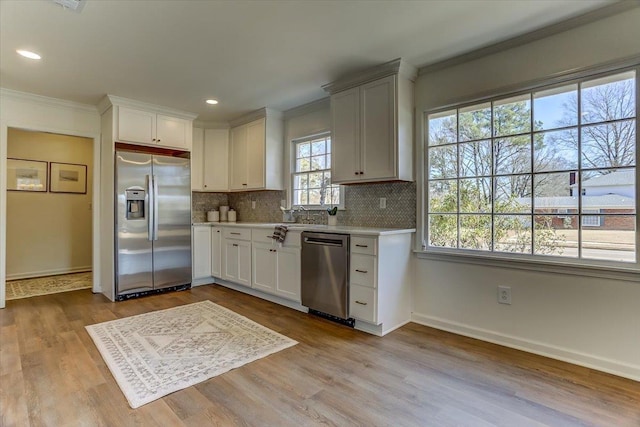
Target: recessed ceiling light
{"points": [[212, 101], [28, 54]]}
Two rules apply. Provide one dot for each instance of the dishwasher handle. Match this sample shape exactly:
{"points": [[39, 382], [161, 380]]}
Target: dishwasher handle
{"points": [[323, 241]]}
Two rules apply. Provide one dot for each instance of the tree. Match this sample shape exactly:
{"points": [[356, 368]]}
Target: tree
{"points": [[609, 145]]}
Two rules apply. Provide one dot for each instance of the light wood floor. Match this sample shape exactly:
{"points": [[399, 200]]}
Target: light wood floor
{"points": [[51, 374]]}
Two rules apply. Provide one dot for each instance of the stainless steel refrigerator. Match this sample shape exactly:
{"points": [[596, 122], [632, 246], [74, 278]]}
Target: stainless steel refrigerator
{"points": [[153, 223]]}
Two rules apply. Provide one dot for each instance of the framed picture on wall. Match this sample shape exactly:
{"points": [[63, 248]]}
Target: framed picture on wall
{"points": [[26, 175], [67, 178]]}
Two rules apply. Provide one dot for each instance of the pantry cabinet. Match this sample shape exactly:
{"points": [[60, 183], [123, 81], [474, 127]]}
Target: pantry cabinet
{"points": [[210, 160], [256, 152], [372, 125]]}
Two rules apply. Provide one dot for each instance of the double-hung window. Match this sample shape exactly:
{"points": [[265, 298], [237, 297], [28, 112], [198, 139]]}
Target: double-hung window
{"points": [[525, 174], [311, 180]]}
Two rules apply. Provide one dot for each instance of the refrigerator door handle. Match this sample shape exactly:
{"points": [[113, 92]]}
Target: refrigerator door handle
{"points": [[155, 208], [150, 202]]}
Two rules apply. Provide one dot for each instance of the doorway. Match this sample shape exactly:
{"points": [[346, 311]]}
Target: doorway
{"points": [[49, 218]]}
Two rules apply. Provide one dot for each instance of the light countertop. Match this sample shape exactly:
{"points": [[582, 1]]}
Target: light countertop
{"points": [[314, 227]]}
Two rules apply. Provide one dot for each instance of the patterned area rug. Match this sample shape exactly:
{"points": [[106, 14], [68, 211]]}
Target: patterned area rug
{"points": [[153, 354], [25, 288]]}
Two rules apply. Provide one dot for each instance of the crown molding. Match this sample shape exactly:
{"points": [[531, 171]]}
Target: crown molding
{"points": [[255, 115], [54, 102], [110, 100], [550, 30], [210, 125], [397, 66], [310, 107]]}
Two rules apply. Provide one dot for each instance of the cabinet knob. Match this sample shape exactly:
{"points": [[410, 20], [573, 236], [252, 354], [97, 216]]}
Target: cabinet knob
{"points": [[158, 140], [361, 172], [153, 139], [357, 173], [205, 186], [360, 302], [235, 244]]}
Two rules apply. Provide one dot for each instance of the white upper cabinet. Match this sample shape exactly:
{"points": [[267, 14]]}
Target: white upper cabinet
{"points": [[197, 164], [256, 152], [372, 125], [140, 123], [210, 160]]}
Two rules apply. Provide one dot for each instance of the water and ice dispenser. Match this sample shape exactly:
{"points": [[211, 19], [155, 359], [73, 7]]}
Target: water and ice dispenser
{"points": [[135, 204]]}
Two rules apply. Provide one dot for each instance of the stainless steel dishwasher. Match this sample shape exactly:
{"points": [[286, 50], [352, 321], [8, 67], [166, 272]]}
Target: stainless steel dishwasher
{"points": [[325, 275]]}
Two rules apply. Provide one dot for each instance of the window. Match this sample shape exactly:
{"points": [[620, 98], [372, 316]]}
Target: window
{"points": [[591, 220], [523, 175], [312, 173]]}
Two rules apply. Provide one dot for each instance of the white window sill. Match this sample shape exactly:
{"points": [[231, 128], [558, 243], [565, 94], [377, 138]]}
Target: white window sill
{"points": [[630, 273]]}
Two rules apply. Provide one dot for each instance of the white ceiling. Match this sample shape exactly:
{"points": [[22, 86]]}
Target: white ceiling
{"points": [[246, 54]]}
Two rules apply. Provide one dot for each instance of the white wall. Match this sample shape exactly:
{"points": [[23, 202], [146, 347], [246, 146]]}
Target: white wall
{"points": [[31, 112], [590, 321], [49, 233], [306, 120]]}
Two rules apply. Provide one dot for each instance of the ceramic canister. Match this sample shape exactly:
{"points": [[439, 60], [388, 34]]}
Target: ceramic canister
{"points": [[224, 210], [213, 216]]}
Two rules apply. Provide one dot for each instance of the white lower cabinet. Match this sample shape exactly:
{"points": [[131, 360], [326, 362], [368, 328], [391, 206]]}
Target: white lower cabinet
{"points": [[380, 282], [276, 270], [201, 257], [216, 251], [236, 261]]}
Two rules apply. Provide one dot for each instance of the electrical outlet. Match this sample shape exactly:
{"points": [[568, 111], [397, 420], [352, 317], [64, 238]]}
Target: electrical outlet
{"points": [[253, 204], [504, 295], [383, 203]]}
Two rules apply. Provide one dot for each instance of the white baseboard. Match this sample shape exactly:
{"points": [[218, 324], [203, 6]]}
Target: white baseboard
{"points": [[54, 272], [566, 355], [273, 298]]}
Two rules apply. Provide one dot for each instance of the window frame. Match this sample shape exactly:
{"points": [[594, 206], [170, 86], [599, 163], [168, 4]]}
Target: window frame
{"points": [[293, 172], [569, 265]]}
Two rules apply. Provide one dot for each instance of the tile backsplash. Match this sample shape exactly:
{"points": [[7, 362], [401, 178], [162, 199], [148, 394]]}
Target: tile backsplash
{"points": [[362, 206]]}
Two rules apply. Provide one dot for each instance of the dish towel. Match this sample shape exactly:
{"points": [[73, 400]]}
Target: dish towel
{"points": [[279, 233]]}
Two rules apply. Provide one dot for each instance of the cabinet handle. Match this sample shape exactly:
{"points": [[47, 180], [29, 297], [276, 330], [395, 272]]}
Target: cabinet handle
{"points": [[234, 233], [361, 271], [360, 302], [235, 244], [362, 246], [244, 184]]}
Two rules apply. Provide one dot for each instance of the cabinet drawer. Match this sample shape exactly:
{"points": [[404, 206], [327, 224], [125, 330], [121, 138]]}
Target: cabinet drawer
{"points": [[362, 303], [363, 270], [262, 235], [237, 233], [363, 245]]}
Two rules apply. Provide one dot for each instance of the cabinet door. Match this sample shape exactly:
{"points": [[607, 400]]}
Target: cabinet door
{"points": [[201, 252], [377, 132], [264, 267], [136, 126], [216, 252], [288, 283], [345, 137], [197, 154], [172, 132], [230, 262], [238, 158], [216, 160], [244, 263], [256, 154]]}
